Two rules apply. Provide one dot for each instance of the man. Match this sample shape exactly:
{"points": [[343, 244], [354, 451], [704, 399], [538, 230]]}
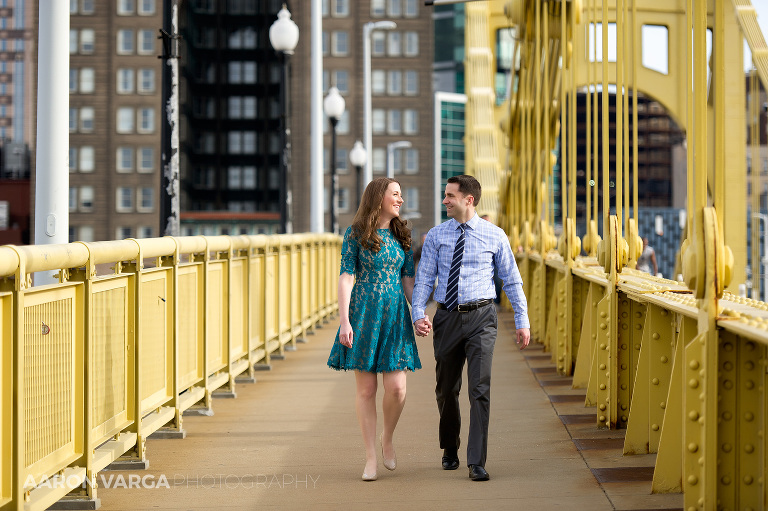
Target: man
{"points": [[462, 253]]}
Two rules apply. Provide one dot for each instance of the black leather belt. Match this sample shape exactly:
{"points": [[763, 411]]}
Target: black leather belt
{"points": [[466, 307]]}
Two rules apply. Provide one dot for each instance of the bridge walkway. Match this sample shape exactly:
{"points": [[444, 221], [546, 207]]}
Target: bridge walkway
{"points": [[291, 441]]}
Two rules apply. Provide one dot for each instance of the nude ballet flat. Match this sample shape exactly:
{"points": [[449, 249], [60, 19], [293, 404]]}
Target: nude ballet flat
{"points": [[367, 477], [388, 464]]}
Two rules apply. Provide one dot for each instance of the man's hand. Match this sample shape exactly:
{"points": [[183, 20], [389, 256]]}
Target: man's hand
{"points": [[523, 337], [423, 326]]}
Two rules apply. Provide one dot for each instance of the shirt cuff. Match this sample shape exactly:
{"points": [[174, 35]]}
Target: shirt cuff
{"points": [[417, 314]]}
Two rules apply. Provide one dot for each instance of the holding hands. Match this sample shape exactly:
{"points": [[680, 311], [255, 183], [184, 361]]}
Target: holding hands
{"points": [[423, 326]]}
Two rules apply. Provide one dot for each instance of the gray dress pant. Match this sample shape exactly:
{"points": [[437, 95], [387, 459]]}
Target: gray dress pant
{"points": [[460, 336]]}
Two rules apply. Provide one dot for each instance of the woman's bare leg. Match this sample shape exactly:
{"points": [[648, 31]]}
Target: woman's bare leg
{"points": [[365, 403], [394, 400]]}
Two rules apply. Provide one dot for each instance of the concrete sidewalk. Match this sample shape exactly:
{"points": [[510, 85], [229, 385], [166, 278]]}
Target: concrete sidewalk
{"points": [[291, 441]]}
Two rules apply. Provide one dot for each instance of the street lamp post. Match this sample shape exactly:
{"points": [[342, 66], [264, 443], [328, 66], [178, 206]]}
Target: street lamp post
{"points": [[358, 157], [284, 36], [368, 28], [391, 148], [334, 108]]}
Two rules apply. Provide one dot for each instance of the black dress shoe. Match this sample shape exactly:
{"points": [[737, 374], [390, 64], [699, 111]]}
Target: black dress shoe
{"points": [[450, 459], [478, 473]]}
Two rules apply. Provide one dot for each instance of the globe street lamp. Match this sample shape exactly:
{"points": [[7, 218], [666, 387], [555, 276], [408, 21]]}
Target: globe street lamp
{"points": [[391, 148], [334, 108], [284, 36], [368, 28], [358, 157]]}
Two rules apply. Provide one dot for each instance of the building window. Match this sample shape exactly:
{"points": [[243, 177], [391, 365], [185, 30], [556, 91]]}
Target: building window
{"points": [[145, 232], [397, 161], [342, 200], [241, 142], [72, 80], [125, 120], [72, 120], [72, 159], [378, 82], [72, 199], [411, 8], [86, 233], [125, 81], [411, 161], [411, 199], [234, 178], [249, 107], [124, 159], [395, 83], [146, 200], [87, 7], [342, 81], [87, 80], [393, 44], [379, 121], [411, 44], [124, 202], [341, 161], [341, 8], [73, 6], [394, 122], [86, 199], [122, 233], [87, 163], [146, 160], [146, 81], [342, 128], [235, 109], [379, 160], [378, 8], [87, 41], [146, 7], [86, 119], [73, 41], [340, 40], [394, 8], [249, 178], [378, 43], [411, 83], [326, 43], [146, 120], [410, 122], [125, 42], [146, 42], [126, 7]]}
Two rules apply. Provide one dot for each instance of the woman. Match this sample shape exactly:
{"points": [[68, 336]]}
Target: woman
{"points": [[376, 334]]}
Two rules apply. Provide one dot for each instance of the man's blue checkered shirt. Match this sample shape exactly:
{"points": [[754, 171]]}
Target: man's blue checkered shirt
{"points": [[485, 246]]}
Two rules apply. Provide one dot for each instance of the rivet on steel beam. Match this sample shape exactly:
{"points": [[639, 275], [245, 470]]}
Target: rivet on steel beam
{"points": [[727, 447], [728, 346], [638, 326], [655, 427], [748, 480], [664, 312], [623, 386], [663, 405], [727, 384], [749, 417], [701, 421], [693, 415], [728, 366], [750, 384], [623, 346], [725, 480], [603, 326], [749, 365], [749, 448], [602, 386], [655, 336], [655, 381], [637, 346], [693, 480], [694, 364], [693, 383], [602, 346], [664, 360], [603, 314], [561, 358], [624, 418], [638, 314], [602, 418], [602, 367], [727, 416], [692, 447]]}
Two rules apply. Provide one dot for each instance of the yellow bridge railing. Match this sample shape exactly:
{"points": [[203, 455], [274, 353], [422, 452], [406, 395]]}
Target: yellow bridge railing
{"points": [[681, 365], [136, 333]]}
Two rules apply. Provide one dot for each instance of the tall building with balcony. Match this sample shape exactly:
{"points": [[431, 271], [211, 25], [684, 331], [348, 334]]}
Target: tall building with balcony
{"points": [[114, 119]]}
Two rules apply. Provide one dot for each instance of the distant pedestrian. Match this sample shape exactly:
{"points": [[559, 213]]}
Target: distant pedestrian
{"points": [[647, 260]]}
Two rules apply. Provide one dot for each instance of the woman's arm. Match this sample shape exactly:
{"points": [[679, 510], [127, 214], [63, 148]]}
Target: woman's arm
{"points": [[346, 282], [408, 283]]}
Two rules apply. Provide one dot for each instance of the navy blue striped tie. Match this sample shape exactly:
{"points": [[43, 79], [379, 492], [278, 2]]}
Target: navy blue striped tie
{"points": [[452, 292]]}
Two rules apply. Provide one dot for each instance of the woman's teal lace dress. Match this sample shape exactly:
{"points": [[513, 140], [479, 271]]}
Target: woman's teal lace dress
{"points": [[383, 338]]}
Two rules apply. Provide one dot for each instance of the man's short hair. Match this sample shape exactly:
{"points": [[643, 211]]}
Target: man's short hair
{"points": [[468, 185]]}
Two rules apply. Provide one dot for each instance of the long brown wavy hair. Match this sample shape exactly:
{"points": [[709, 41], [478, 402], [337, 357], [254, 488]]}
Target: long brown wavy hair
{"points": [[366, 220]]}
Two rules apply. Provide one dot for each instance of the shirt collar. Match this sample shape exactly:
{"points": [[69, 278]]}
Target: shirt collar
{"points": [[471, 223]]}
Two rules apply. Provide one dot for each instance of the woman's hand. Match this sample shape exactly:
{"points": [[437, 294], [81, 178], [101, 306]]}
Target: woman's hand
{"points": [[345, 334]]}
